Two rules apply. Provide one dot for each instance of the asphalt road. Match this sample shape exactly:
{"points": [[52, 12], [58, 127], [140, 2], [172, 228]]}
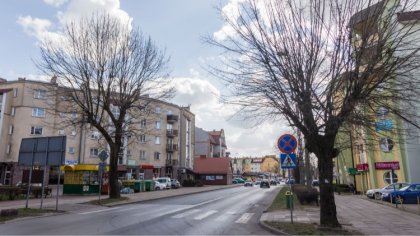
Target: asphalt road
{"points": [[233, 211]]}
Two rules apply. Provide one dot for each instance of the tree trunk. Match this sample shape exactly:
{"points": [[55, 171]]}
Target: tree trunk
{"points": [[328, 214], [114, 187]]}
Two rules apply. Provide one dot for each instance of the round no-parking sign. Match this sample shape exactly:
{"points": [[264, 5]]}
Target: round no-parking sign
{"points": [[287, 143]]}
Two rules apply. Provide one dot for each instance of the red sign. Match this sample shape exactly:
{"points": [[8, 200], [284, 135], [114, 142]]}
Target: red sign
{"points": [[390, 165], [362, 167], [146, 166], [287, 143]]}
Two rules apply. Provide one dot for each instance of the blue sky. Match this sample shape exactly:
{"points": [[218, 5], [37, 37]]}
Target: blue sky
{"points": [[176, 25]]}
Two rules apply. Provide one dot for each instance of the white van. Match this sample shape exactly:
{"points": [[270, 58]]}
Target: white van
{"points": [[165, 180]]}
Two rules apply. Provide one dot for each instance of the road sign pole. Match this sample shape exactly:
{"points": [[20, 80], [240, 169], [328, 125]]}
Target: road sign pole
{"points": [[58, 188], [291, 198]]}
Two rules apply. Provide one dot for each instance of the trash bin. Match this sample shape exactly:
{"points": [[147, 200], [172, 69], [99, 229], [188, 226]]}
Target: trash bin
{"points": [[138, 186], [289, 199], [149, 185]]}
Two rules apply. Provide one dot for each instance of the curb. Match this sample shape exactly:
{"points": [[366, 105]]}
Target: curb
{"points": [[162, 197], [271, 229]]}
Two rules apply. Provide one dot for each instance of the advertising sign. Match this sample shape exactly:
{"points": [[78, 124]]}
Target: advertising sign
{"points": [[390, 165], [362, 167]]}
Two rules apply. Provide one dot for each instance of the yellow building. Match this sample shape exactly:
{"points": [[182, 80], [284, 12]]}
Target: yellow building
{"points": [[270, 164]]}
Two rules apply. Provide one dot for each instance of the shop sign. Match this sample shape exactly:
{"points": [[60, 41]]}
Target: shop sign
{"points": [[384, 125], [390, 165], [146, 166], [362, 167], [352, 171], [131, 162]]}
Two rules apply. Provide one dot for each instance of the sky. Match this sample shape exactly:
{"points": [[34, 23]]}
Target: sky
{"points": [[178, 26]]}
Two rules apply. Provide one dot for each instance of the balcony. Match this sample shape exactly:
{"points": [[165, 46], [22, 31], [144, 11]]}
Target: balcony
{"points": [[170, 162], [171, 147], [171, 133], [172, 119]]}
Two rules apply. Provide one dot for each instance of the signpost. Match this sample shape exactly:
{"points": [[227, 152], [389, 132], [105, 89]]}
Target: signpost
{"points": [[287, 145], [103, 155]]}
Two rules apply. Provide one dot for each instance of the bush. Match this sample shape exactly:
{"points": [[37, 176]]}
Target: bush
{"points": [[11, 192], [8, 212], [192, 183], [305, 194], [341, 188]]}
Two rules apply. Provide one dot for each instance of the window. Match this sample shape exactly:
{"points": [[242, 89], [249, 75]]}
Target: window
{"points": [[62, 114], [157, 140], [73, 133], [388, 177], [38, 112], [128, 153], [40, 94], [15, 92], [71, 150], [94, 135], [386, 144], [94, 152], [142, 138], [169, 112], [36, 130], [157, 155], [13, 111], [116, 111], [157, 110], [61, 132], [11, 129], [142, 155], [157, 124], [143, 123], [8, 147]]}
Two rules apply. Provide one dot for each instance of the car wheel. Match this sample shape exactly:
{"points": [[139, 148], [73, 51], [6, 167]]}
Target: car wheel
{"points": [[399, 199], [157, 188], [378, 196]]}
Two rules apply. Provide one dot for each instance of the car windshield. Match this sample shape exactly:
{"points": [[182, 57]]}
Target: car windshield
{"points": [[161, 180]]}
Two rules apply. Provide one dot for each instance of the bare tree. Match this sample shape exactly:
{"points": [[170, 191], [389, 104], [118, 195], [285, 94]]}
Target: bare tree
{"points": [[323, 65], [109, 74]]}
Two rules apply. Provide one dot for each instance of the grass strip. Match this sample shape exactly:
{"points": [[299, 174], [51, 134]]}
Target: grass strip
{"points": [[107, 201], [308, 229], [27, 212]]}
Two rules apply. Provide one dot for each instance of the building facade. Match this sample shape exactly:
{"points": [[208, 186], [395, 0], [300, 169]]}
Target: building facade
{"points": [[211, 144], [28, 108]]}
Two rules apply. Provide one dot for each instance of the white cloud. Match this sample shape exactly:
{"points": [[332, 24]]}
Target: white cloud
{"points": [[55, 3], [44, 29], [210, 114]]}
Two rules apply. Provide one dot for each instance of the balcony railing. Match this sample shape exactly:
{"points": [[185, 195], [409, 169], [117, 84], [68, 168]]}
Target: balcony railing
{"points": [[172, 119], [170, 162], [171, 147], [171, 132]]}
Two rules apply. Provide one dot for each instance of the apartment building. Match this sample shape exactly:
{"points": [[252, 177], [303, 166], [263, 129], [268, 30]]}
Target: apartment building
{"points": [[382, 155], [165, 147], [210, 143]]}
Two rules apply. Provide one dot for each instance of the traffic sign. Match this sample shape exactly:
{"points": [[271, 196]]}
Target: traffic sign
{"points": [[288, 160], [287, 143], [103, 156]]}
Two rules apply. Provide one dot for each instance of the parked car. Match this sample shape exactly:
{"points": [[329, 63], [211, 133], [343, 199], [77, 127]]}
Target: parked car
{"points": [[238, 181], [407, 194], [175, 183], [315, 183], [377, 193], [290, 181], [265, 184], [165, 180], [248, 183], [257, 182], [273, 182], [159, 186]]}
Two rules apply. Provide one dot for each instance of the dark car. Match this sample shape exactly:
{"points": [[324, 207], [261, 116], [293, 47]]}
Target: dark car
{"points": [[265, 184], [408, 194], [273, 182]]}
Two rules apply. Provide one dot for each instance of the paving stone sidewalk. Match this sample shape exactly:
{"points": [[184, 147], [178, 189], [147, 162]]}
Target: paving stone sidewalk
{"points": [[357, 213]]}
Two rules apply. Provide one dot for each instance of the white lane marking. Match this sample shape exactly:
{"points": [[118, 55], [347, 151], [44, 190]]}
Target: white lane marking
{"points": [[225, 216], [90, 212], [204, 215], [244, 218], [187, 213]]}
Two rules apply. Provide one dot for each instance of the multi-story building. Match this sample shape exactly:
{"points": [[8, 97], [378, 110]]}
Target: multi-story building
{"points": [[34, 109], [210, 143], [376, 159]]}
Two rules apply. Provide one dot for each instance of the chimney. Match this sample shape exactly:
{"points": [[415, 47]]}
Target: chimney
{"points": [[53, 80]]}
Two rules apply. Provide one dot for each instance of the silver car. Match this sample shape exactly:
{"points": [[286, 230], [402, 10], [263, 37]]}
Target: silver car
{"points": [[377, 193]]}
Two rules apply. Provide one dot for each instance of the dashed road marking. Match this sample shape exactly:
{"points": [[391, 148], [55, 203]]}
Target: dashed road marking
{"points": [[204, 215], [244, 218], [184, 214]]}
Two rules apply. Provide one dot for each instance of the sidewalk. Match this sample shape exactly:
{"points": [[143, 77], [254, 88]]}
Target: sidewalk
{"points": [[73, 203], [355, 212]]}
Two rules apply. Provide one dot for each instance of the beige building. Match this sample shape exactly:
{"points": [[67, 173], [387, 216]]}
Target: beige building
{"points": [[164, 147]]}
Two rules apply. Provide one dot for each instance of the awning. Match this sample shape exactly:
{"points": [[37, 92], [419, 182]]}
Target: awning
{"points": [[80, 167]]}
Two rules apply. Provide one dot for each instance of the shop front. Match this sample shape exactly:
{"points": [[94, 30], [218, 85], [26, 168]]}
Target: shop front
{"points": [[83, 180]]}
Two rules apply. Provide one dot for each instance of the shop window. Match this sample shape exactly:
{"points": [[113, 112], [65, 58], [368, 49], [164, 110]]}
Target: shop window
{"points": [[390, 177]]}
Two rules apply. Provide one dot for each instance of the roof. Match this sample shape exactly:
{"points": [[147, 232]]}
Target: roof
{"points": [[212, 165], [371, 11], [408, 16]]}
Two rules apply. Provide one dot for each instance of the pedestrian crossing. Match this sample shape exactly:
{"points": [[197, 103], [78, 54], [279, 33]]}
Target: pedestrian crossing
{"points": [[199, 214]]}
